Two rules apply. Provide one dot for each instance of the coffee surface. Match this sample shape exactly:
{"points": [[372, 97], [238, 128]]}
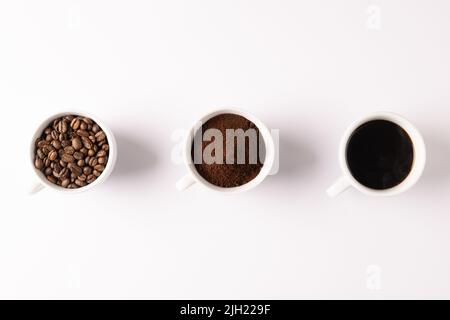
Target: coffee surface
{"points": [[229, 175], [380, 154]]}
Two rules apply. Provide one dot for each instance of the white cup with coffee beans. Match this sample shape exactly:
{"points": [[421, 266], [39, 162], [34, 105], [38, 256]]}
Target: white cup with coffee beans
{"points": [[72, 152]]}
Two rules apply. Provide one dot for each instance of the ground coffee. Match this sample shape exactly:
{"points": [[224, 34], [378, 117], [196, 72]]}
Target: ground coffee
{"points": [[229, 175]]}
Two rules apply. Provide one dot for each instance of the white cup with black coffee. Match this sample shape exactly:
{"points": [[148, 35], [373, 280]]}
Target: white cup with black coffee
{"points": [[380, 155]]}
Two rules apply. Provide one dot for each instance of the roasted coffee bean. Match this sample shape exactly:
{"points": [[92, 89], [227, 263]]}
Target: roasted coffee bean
{"points": [[96, 173], [86, 142], [76, 144], [75, 124], [101, 153], [39, 164], [56, 144], [69, 150], [87, 170], [91, 153], [78, 155], [83, 125], [67, 158], [100, 136], [80, 183], [65, 183], [99, 167], [76, 170], [81, 163], [82, 133], [53, 155], [55, 135], [62, 126], [40, 154], [92, 162], [52, 179], [91, 178]]}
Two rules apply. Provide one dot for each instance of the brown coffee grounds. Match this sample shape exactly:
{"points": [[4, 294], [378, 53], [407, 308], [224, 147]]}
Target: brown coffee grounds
{"points": [[229, 175]]}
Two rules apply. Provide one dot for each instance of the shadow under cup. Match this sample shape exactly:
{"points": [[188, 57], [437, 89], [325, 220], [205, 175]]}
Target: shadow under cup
{"points": [[228, 151]]}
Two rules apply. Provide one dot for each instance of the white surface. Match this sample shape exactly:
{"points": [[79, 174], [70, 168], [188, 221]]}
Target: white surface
{"points": [[308, 68]]}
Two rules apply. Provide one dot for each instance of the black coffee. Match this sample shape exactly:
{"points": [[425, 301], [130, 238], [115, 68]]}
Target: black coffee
{"points": [[380, 154]]}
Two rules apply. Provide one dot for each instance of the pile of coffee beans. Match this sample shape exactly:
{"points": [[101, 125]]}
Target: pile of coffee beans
{"points": [[72, 152]]}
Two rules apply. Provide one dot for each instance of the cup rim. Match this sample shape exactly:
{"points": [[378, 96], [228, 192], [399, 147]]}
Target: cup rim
{"points": [[111, 159], [418, 146], [268, 142]]}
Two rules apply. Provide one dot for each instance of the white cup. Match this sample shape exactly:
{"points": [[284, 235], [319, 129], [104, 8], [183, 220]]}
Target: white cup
{"points": [[194, 177], [347, 180], [42, 180]]}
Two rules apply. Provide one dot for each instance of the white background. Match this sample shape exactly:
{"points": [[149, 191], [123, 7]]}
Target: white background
{"points": [[148, 68]]}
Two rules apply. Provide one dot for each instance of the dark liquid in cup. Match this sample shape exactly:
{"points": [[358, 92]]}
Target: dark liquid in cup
{"points": [[380, 154]]}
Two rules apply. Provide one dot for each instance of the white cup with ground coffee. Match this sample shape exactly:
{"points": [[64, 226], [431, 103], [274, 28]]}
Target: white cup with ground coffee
{"points": [[72, 152], [380, 155], [228, 151]]}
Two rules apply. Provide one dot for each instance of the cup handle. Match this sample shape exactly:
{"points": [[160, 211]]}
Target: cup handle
{"points": [[36, 188], [341, 185], [185, 183]]}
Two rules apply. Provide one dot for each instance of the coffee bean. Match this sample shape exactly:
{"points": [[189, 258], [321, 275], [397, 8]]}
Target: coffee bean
{"points": [[99, 167], [101, 160], [81, 163], [69, 150], [67, 158], [100, 136], [65, 183], [40, 154], [77, 144], [101, 153], [56, 144], [53, 155], [87, 170], [91, 153], [96, 173], [76, 170], [78, 155], [62, 126], [52, 179], [82, 133], [39, 164], [80, 183], [86, 142], [55, 135], [91, 178], [93, 162], [83, 125], [75, 124]]}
